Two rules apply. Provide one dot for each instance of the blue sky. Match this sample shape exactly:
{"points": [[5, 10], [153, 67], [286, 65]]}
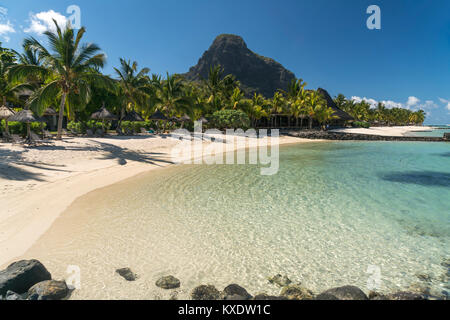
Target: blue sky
{"points": [[327, 43]]}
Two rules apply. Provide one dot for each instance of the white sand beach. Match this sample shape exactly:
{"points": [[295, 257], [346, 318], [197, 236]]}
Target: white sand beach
{"points": [[38, 184], [384, 131]]}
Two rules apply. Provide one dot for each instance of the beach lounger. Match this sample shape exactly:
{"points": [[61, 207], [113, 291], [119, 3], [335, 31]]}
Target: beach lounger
{"points": [[99, 133], [16, 139], [47, 135]]}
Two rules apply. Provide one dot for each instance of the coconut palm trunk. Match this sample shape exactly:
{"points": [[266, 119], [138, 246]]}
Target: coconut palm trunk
{"points": [[6, 120], [61, 116]]}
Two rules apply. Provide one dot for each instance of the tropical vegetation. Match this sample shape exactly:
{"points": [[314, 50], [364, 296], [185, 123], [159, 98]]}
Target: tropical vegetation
{"points": [[66, 74]]}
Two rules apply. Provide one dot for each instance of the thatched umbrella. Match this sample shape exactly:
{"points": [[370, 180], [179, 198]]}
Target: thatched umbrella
{"points": [[6, 113], [159, 116], [25, 116], [133, 116], [203, 120], [50, 112], [183, 119], [103, 114]]}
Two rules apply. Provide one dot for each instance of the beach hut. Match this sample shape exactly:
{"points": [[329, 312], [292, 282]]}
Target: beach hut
{"points": [[5, 114], [342, 116], [25, 116], [133, 116], [203, 120], [184, 119], [103, 114], [159, 116]]}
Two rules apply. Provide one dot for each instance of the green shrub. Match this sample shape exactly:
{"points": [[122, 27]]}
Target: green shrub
{"points": [[21, 128], [75, 127], [360, 124], [224, 119]]}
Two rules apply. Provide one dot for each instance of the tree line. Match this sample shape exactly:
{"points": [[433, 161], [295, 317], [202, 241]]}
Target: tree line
{"points": [[66, 74]]}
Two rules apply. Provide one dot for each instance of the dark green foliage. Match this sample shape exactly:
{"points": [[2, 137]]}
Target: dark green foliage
{"points": [[234, 119], [361, 124]]}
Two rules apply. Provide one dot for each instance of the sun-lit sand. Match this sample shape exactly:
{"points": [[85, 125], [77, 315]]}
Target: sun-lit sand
{"points": [[384, 131], [37, 184]]}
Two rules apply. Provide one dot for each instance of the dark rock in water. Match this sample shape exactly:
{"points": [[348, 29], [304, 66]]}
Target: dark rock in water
{"points": [[280, 280], [168, 282], [256, 74], [296, 292], [344, 293], [127, 274], [263, 296], [377, 296], [235, 292], [424, 277], [22, 275], [205, 292], [12, 296], [326, 296], [49, 290], [445, 263], [403, 295]]}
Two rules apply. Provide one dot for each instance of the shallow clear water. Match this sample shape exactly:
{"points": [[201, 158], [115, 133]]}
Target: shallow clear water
{"points": [[433, 133], [332, 211]]}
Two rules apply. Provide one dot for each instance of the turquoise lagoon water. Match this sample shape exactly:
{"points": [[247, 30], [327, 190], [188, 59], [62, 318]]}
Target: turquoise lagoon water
{"points": [[334, 213], [437, 132]]}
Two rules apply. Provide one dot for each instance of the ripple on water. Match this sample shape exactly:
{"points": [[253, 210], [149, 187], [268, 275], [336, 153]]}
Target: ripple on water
{"points": [[328, 215]]}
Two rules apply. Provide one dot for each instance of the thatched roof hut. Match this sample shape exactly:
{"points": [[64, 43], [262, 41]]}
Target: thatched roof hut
{"points": [[50, 112], [6, 112], [133, 116], [344, 116], [185, 118], [25, 116], [103, 114], [203, 120], [158, 115]]}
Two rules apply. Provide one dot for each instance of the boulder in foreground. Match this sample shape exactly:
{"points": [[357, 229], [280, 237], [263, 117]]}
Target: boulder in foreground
{"points": [[235, 292], [168, 282], [22, 275], [343, 293], [48, 290], [205, 292], [127, 274]]}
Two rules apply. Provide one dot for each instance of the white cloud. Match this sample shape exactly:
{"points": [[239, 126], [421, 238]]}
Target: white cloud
{"points": [[43, 21], [6, 27], [446, 102], [412, 101], [373, 103]]}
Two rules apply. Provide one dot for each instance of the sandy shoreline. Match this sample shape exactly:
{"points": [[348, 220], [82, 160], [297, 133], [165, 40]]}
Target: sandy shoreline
{"points": [[384, 131], [38, 184]]}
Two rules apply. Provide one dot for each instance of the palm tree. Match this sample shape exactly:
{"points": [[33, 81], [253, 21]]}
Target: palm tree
{"points": [[172, 99], [68, 69], [293, 93], [323, 114], [256, 108], [314, 99], [135, 86], [6, 89], [277, 104]]}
